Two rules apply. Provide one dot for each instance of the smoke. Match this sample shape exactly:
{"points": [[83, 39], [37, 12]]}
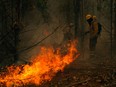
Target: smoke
{"points": [[37, 28]]}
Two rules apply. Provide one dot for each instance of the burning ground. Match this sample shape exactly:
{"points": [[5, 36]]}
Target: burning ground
{"points": [[47, 69], [42, 68]]}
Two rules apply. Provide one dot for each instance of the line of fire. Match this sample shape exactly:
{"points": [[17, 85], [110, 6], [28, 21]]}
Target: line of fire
{"points": [[57, 43]]}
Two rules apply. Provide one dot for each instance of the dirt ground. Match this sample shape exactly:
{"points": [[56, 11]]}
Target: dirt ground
{"points": [[99, 71], [80, 73], [86, 74]]}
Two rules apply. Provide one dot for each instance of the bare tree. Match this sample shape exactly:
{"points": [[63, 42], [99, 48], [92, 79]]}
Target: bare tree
{"points": [[115, 24], [76, 4]]}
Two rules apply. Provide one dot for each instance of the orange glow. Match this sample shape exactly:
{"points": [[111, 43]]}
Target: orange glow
{"points": [[42, 68], [46, 32]]}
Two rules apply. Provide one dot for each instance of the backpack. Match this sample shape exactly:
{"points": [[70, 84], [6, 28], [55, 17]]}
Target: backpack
{"points": [[99, 28]]}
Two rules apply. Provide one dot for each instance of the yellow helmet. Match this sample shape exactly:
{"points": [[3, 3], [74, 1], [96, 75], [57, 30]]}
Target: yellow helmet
{"points": [[94, 17], [88, 16]]}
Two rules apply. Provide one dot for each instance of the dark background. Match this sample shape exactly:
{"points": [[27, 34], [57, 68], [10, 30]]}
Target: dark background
{"points": [[25, 22]]}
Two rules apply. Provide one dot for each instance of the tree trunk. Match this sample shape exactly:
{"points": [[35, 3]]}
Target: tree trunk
{"points": [[115, 26], [111, 10], [76, 18]]}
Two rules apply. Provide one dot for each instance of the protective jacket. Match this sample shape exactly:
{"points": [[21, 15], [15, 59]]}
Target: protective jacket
{"points": [[94, 29]]}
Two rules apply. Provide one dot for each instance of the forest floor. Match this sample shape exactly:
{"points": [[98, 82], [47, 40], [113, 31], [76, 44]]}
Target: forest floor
{"points": [[86, 72], [95, 73]]}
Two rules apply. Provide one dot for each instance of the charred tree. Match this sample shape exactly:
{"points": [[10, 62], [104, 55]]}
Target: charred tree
{"points": [[9, 16], [111, 26], [115, 26], [76, 4], [68, 12]]}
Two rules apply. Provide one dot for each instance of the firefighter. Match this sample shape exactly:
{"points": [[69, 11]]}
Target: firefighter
{"points": [[94, 18], [68, 36], [93, 30]]}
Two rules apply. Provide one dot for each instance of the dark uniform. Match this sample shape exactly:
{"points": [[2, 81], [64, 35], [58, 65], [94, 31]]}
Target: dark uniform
{"points": [[93, 35]]}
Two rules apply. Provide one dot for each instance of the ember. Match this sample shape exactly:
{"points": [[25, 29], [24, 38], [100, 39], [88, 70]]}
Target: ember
{"points": [[43, 67]]}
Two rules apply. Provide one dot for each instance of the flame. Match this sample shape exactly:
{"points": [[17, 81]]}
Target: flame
{"points": [[42, 68]]}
